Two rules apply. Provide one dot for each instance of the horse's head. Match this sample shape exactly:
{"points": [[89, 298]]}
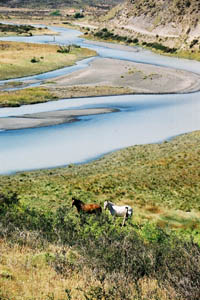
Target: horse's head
{"points": [[105, 204], [74, 201]]}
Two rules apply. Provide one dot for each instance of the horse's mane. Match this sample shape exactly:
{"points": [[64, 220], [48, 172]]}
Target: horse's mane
{"points": [[111, 202], [77, 201]]}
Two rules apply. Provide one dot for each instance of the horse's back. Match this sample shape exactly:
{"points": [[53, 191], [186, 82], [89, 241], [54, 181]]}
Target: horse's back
{"points": [[92, 208], [122, 210]]}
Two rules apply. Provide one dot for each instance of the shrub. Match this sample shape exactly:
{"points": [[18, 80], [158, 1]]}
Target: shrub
{"points": [[135, 41], [35, 60], [64, 49], [78, 15], [194, 42], [55, 13]]}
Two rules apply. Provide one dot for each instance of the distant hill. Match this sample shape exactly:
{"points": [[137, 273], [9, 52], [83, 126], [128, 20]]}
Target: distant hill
{"points": [[57, 3], [175, 23]]}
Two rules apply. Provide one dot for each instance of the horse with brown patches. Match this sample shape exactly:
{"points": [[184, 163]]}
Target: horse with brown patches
{"points": [[87, 208]]}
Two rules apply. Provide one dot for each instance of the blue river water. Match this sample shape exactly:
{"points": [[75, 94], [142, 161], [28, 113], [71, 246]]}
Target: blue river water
{"points": [[141, 119]]}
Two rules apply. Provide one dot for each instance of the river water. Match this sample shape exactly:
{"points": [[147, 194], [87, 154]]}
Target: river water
{"points": [[141, 118]]}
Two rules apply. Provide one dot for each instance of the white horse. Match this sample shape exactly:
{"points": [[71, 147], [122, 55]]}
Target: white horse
{"points": [[119, 211]]}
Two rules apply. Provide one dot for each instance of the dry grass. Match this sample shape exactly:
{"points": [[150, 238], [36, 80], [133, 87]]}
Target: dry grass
{"points": [[15, 58], [27, 274], [80, 91]]}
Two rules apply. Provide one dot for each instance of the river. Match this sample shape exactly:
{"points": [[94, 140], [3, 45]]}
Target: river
{"points": [[141, 118]]}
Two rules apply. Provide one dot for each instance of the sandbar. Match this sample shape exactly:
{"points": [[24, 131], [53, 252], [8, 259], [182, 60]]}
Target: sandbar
{"points": [[106, 76], [49, 118]]}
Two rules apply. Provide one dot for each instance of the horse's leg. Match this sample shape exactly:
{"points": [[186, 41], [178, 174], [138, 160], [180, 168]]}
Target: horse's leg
{"points": [[124, 220]]}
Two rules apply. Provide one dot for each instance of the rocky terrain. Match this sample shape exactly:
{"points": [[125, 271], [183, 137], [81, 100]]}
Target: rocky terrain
{"points": [[174, 23], [57, 4]]}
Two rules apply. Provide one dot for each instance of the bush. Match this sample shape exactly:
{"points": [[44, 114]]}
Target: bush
{"points": [[116, 256], [55, 13], [64, 49], [78, 15], [35, 60]]}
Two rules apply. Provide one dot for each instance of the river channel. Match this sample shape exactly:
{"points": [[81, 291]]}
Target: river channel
{"points": [[140, 119]]}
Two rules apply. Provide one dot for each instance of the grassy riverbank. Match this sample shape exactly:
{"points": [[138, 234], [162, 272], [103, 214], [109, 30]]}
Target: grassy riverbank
{"points": [[106, 36], [23, 30], [26, 96], [23, 59], [44, 238]]}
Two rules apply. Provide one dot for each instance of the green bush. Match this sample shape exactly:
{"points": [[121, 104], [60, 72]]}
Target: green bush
{"points": [[55, 13], [34, 60], [78, 15], [64, 49]]}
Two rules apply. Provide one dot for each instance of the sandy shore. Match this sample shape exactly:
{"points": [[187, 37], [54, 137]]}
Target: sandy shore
{"points": [[106, 76], [48, 118]]}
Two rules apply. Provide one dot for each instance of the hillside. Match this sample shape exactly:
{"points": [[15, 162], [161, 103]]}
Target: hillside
{"points": [[174, 23], [56, 4]]}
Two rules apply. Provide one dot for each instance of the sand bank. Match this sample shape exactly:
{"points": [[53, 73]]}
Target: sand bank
{"points": [[105, 76], [48, 118]]}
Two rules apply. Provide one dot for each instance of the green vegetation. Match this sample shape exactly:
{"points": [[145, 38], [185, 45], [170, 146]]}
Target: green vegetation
{"points": [[55, 13], [94, 257], [105, 34], [160, 175], [160, 47], [78, 15], [19, 29], [64, 49], [26, 96]]}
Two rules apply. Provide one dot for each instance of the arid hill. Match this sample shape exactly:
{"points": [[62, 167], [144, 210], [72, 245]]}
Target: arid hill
{"points": [[175, 23], [57, 3]]}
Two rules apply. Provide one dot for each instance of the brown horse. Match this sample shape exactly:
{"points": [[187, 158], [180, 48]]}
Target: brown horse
{"points": [[87, 208]]}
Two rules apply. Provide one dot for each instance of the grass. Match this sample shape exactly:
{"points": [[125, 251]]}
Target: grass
{"points": [[30, 275], [23, 30], [16, 59], [25, 96], [161, 178], [48, 251], [80, 91]]}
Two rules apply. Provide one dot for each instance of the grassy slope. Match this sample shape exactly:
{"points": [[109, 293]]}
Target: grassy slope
{"points": [[157, 180]]}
